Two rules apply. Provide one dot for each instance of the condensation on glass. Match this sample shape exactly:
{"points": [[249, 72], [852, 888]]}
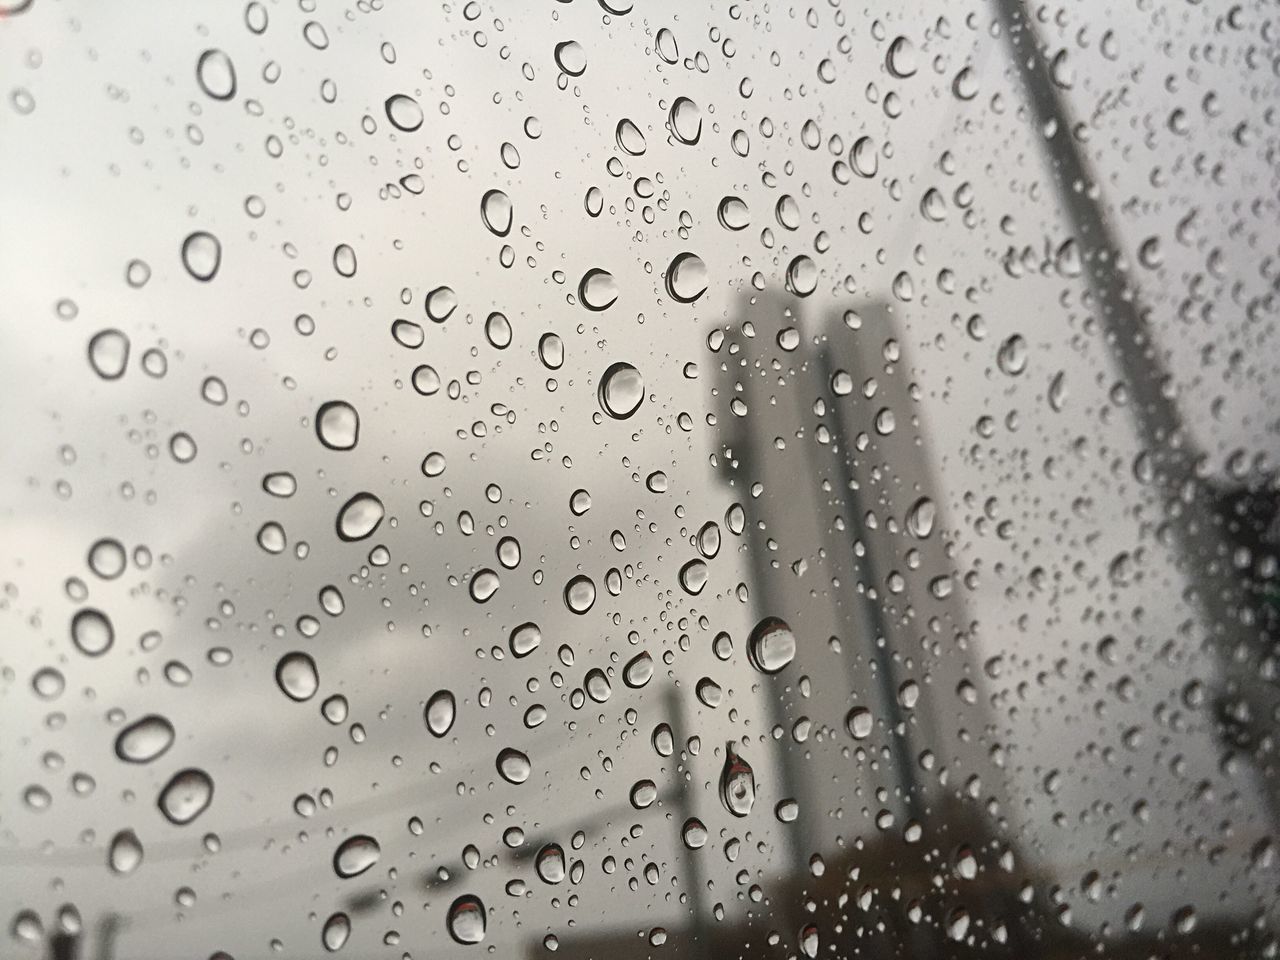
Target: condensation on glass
{"points": [[639, 479]]}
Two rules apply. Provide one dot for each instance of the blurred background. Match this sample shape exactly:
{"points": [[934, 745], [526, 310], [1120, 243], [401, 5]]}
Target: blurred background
{"points": [[638, 480]]}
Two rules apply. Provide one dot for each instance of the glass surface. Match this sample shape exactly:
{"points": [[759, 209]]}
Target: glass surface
{"points": [[618, 479]]}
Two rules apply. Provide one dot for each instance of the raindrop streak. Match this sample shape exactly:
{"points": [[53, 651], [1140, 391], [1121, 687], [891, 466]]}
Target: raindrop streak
{"points": [[359, 517], [686, 278], [297, 677], [355, 855], [597, 290], [440, 712], [496, 212], [92, 632], [404, 112], [737, 783], [145, 740], [580, 594], [513, 766], [338, 425], [466, 920], [216, 75], [771, 645], [202, 255], [186, 796], [621, 390]]}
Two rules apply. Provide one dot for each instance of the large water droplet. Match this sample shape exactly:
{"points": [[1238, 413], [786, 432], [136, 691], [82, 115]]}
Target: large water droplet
{"points": [[513, 766], [733, 213], [359, 517], [685, 121], [630, 139], [686, 277], [597, 290], [484, 585], [202, 255], [338, 425], [737, 783], [771, 645], [404, 112], [693, 577], [297, 677], [525, 639], [440, 712], [802, 276], [145, 740], [187, 795], [551, 351], [216, 75], [621, 390], [355, 855], [920, 518], [107, 558], [496, 211], [550, 863], [638, 671], [571, 58], [901, 58], [580, 594], [124, 854], [336, 932], [860, 723], [466, 920], [440, 304], [109, 354], [92, 632]]}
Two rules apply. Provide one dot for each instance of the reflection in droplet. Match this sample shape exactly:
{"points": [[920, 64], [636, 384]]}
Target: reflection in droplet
{"points": [[694, 833], [440, 712], [297, 677], [355, 855], [466, 920], [643, 794], [187, 795], [737, 783], [771, 645], [621, 390]]}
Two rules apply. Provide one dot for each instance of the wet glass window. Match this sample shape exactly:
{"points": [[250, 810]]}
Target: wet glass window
{"points": [[639, 479]]}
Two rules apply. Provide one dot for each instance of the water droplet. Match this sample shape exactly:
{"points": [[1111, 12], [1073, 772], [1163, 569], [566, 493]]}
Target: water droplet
{"points": [[694, 833], [802, 276], [484, 585], [864, 158], [638, 671], [630, 139], [297, 677], [124, 854], [685, 121], [216, 75], [665, 44], [686, 278], [359, 517], [860, 723], [496, 212], [771, 645], [513, 766], [344, 260], [808, 940], [338, 425], [551, 351], [597, 290], [920, 518], [107, 558], [737, 783], [709, 539], [466, 920], [1011, 358], [901, 58], [92, 632], [187, 795], [426, 381], [693, 577], [440, 304], [404, 112], [440, 712], [643, 794], [579, 502], [202, 255], [336, 932], [355, 855], [571, 58], [580, 594], [733, 213], [497, 330], [550, 863], [621, 390], [145, 740], [109, 354], [525, 639]]}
